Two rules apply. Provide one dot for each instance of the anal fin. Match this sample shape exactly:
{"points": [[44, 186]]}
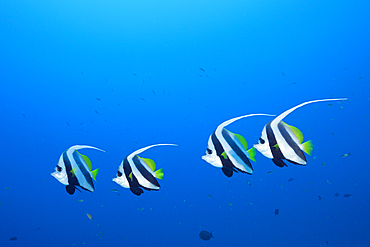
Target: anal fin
{"points": [[279, 163], [228, 172]]}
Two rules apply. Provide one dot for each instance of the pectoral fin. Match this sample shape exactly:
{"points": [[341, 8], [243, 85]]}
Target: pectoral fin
{"points": [[224, 155], [73, 171]]}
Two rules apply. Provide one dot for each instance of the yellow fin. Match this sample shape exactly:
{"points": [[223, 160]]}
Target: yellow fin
{"points": [[130, 176], [276, 146], [307, 147], [94, 173], [86, 159], [73, 171], [296, 132], [159, 173], [242, 141], [224, 155], [149, 162], [252, 153]]}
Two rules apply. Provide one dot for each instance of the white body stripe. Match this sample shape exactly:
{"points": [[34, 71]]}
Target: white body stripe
{"points": [[77, 172], [63, 177], [122, 180], [285, 148], [235, 159], [140, 178]]}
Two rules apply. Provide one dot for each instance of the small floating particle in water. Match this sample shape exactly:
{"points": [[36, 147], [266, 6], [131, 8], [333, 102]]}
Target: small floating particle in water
{"points": [[90, 217], [345, 155], [13, 238]]}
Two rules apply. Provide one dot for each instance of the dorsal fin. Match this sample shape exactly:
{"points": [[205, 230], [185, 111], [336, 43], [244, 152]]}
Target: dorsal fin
{"points": [[226, 123], [242, 141], [87, 160], [145, 148], [284, 114], [149, 162], [296, 132]]}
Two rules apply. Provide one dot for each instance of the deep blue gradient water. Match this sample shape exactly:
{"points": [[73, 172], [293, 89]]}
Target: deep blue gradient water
{"points": [[142, 60]]}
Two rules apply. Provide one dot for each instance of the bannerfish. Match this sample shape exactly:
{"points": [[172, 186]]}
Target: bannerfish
{"points": [[280, 141], [135, 172], [75, 169], [229, 150], [204, 235]]}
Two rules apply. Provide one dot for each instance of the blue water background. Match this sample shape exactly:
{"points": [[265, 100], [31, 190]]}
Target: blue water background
{"points": [[142, 60]]}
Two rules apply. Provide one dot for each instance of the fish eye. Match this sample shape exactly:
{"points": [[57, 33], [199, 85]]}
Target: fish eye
{"points": [[262, 141], [59, 169], [119, 174], [209, 151]]}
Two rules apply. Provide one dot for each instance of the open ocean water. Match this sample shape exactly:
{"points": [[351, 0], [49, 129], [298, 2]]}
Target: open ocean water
{"points": [[121, 75]]}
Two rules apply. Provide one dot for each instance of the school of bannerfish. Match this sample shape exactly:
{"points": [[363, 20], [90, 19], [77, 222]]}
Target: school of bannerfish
{"points": [[226, 150]]}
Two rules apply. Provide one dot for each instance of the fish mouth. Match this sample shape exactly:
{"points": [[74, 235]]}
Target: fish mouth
{"points": [[208, 159], [257, 146]]}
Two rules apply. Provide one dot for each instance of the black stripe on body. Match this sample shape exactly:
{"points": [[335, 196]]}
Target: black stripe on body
{"points": [[226, 163], [291, 142], [133, 184], [127, 170], [276, 153], [72, 180], [145, 173], [236, 149], [77, 157]]}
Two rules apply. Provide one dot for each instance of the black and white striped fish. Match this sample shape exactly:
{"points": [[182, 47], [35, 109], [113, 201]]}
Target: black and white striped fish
{"points": [[280, 141], [229, 151], [135, 172], [75, 169]]}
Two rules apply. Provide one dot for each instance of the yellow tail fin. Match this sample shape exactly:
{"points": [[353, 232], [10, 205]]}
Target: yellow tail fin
{"points": [[307, 147], [159, 173]]}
